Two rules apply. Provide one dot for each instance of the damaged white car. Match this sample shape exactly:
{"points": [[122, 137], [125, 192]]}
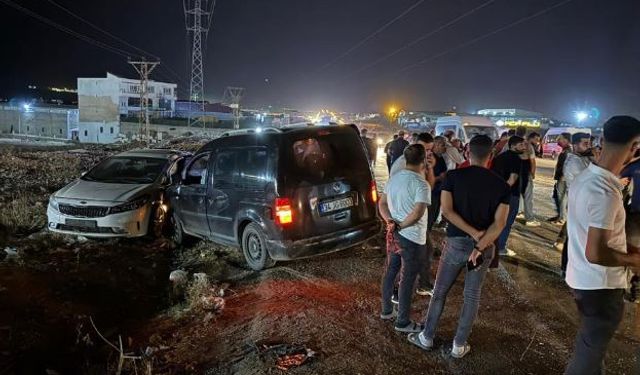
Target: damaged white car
{"points": [[122, 196]]}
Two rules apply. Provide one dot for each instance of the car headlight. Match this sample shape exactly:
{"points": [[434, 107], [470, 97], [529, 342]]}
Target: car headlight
{"points": [[53, 202], [129, 206]]}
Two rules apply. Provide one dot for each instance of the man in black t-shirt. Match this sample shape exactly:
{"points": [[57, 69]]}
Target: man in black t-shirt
{"points": [[397, 146], [509, 165], [475, 202], [560, 188]]}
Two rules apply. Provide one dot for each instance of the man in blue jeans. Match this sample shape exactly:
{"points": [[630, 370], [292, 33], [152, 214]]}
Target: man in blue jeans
{"points": [[403, 206], [508, 165], [475, 202]]}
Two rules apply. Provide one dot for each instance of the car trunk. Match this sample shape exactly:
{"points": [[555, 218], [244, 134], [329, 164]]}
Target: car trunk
{"points": [[328, 181]]}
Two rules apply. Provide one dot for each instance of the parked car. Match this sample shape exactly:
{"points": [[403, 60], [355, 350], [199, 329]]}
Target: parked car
{"points": [[550, 147], [122, 196], [278, 194]]}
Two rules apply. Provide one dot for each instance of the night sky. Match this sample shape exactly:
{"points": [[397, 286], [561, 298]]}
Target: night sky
{"points": [[583, 54]]}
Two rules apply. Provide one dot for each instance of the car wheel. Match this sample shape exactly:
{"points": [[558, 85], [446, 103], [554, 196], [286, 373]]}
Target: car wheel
{"points": [[176, 234], [157, 222], [254, 248]]}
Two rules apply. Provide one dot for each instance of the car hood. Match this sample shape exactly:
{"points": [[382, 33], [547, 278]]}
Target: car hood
{"points": [[100, 191]]}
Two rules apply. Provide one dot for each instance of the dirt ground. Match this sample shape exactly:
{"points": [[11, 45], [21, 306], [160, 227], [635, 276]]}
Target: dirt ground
{"points": [[52, 288]]}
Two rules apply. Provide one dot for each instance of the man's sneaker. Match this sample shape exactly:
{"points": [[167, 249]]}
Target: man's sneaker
{"points": [[507, 253], [553, 219], [559, 222], [520, 216], [558, 246], [460, 351], [533, 223], [394, 297], [390, 316], [425, 291]]}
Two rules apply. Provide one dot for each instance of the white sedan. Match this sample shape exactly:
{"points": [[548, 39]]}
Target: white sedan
{"points": [[123, 196]]}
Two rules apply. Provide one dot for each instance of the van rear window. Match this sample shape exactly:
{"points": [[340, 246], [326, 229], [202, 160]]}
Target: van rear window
{"points": [[328, 157]]}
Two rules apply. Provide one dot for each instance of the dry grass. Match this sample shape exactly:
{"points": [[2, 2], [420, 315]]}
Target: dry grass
{"points": [[22, 213]]}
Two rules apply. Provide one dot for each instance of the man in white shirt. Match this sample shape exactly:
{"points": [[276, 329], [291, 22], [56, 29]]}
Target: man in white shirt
{"points": [[403, 206], [576, 162], [425, 286], [599, 255]]}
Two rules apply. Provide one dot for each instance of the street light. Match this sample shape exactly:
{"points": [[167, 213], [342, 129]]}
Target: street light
{"points": [[581, 116]]}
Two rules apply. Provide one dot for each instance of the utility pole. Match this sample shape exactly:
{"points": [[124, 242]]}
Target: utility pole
{"points": [[233, 96], [194, 15], [144, 69]]}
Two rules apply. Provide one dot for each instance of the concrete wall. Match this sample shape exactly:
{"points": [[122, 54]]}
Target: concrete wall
{"points": [[99, 132], [131, 130], [38, 121]]}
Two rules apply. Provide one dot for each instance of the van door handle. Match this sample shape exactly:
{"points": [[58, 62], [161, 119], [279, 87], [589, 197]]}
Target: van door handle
{"points": [[341, 216]]}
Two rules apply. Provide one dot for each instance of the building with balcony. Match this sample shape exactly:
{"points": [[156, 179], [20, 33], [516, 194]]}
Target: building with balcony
{"points": [[102, 101]]}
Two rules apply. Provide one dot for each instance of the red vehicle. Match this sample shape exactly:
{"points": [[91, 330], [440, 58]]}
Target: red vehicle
{"points": [[550, 147]]}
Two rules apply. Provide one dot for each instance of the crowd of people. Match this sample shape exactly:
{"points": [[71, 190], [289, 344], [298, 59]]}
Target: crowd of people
{"points": [[476, 191]]}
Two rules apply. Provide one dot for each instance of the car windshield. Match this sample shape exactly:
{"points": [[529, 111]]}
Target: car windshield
{"points": [[127, 170], [473, 130]]}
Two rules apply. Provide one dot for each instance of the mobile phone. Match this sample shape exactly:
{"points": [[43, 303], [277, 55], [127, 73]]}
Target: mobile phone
{"points": [[479, 260]]}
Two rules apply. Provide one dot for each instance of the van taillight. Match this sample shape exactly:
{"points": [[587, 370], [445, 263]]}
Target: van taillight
{"points": [[374, 192], [284, 211]]}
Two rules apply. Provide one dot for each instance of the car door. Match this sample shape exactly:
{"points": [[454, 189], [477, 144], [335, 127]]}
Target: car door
{"points": [[222, 203], [191, 196]]}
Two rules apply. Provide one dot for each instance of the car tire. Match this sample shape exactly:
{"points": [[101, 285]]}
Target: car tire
{"points": [[158, 223], [176, 234], [254, 248]]}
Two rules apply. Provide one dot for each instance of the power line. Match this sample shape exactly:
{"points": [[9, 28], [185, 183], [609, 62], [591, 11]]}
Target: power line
{"points": [[149, 54], [485, 36], [423, 37], [78, 35], [371, 36]]}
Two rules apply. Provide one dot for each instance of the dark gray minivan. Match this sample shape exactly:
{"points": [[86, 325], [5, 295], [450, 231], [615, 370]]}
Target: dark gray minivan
{"points": [[278, 194]]}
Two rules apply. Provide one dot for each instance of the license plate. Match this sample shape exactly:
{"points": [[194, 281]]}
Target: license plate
{"points": [[335, 205], [81, 223]]}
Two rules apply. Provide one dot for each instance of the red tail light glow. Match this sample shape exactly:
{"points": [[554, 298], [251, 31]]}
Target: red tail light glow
{"points": [[374, 192], [284, 211]]}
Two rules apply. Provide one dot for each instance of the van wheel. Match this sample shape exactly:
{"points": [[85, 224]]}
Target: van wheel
{"points": [[254, 248], [176, 234]]}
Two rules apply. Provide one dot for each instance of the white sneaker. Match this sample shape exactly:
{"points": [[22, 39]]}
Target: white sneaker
{"points": [[460, 351], [533, 223], [520, 216]]}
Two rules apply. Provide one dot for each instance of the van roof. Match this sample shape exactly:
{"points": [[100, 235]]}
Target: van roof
{"points": [[268, 135]]}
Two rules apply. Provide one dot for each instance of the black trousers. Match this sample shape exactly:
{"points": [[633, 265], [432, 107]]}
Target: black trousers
{"points": [[600, 314]]}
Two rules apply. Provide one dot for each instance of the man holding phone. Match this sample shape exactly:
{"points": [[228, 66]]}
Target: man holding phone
{"points": [[475, 201]]}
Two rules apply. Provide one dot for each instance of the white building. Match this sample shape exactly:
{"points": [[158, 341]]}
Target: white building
{"points": [[101, 102]]}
